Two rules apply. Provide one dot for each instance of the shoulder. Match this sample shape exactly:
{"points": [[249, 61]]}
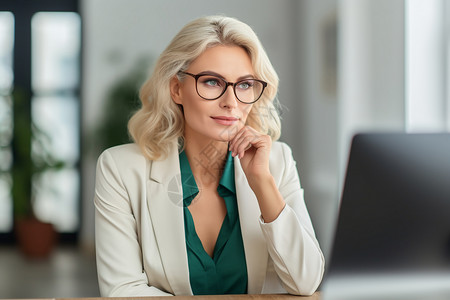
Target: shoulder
{"points": [[127, 156], [126, 150]]}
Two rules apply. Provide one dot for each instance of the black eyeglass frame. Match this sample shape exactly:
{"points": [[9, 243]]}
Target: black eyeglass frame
{"points": [[227, 84]]}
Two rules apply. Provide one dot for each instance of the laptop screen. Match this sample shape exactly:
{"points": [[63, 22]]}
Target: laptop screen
{"points": [[395, 206]]}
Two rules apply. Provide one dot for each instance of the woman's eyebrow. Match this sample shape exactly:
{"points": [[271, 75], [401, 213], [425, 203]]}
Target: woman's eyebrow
{"points": [[211, 73], [248, 76]]}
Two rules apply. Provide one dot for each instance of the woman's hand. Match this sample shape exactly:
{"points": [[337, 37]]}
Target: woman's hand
{"points": [[253, 150]]}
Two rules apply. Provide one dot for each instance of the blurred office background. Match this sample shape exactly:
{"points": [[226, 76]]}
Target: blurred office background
{"points": [[68, 66]]}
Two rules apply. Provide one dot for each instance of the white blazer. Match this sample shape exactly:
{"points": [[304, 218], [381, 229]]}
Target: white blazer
{"points": [[139, 228]]}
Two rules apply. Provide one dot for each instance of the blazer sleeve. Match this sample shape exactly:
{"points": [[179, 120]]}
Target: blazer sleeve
{"points": [[291, 241], [118, 252]]}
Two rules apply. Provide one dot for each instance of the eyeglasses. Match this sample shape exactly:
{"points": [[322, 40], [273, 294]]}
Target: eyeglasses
{"points": [[212, 87]]}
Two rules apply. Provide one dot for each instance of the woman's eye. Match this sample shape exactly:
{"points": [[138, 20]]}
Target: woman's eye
{"points": [[245, 85], [213, 82]]}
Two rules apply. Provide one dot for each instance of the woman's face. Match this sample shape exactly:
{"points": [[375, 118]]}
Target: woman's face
{"points": [[222, 118]]}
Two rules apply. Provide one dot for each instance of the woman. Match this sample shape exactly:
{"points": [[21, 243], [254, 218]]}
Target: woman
{"points": [[205, 201]]}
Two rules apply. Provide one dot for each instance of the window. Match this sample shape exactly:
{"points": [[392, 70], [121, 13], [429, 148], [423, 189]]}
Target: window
{"points": [[55, 112], [40, 53], [6, 82], [427, 66]]}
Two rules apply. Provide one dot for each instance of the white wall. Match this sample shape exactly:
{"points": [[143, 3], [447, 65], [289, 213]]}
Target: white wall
{"points": [[316, 114], [371, 69]]}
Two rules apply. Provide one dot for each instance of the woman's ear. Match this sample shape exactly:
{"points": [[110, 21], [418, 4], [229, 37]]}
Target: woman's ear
{"points": [[175, 90]]}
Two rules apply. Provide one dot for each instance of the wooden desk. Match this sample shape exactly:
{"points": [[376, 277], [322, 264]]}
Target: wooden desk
{"points": [[315, 296]]}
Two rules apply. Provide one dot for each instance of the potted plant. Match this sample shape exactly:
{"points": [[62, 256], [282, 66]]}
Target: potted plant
{"points": [[34, 237], [121, 101]]}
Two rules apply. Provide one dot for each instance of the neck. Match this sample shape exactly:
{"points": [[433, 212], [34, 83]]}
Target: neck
{"points": [[207, 159]]}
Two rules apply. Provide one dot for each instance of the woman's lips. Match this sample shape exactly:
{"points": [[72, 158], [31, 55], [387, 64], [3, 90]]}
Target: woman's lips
{"points": [[223, 120]]}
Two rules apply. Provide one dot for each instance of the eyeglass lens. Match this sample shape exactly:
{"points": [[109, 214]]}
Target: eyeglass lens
{"points": [[212, 87]]}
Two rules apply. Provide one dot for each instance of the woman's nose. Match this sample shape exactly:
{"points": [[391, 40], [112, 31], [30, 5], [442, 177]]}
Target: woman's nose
{"points": [[228, 99]]}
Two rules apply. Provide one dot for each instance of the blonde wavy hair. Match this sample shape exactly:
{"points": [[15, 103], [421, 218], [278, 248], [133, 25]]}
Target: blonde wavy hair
{"points": [[160, 121]]}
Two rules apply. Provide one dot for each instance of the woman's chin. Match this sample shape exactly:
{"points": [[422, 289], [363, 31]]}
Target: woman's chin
{"points": [[228, 135]]}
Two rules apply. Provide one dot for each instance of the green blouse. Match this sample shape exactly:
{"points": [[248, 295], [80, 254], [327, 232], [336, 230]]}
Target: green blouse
{"points": [[226, 271]]}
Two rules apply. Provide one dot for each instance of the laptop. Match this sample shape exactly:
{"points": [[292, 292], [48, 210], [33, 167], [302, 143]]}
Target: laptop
{"points": [[392, 238]]}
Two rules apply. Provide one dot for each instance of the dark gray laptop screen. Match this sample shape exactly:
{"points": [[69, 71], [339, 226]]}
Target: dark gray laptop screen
{"points": [[395, 206]]}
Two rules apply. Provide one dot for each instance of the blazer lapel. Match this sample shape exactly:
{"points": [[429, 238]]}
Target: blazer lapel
{"points": [[255, 246], [165, 204]]}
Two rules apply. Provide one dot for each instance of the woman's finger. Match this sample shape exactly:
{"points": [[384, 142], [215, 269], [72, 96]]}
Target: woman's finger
{"points": [[243, 144], [236, 138], [245, 140]]}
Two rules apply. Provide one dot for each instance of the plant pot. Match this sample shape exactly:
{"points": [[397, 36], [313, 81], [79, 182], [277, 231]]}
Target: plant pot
{"points": [[36, 239]]}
